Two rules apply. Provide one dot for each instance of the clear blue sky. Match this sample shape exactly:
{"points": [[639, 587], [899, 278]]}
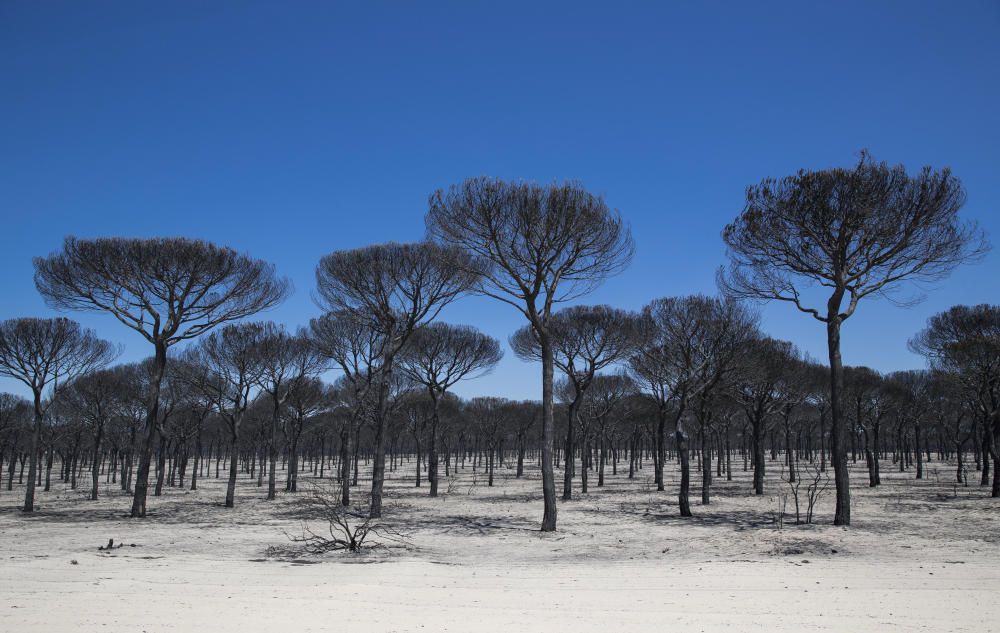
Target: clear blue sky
{"points": [[289, 130]]}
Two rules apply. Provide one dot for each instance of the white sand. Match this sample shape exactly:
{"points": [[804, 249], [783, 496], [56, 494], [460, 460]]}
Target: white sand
{"points": [[916, 559]]}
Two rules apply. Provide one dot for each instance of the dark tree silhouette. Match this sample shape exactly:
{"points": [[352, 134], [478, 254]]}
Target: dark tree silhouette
{"points": [[354, 345], [15, 415], [306, 399], [395, 288], [44, 352], [606, 403], [585, 340], [286, 361], [232, 359], [166, 289], [490, 415], [854, 233], [437, 356], [689, 344], [964, 341], [536, 247], [93, 397], [864, 391]]}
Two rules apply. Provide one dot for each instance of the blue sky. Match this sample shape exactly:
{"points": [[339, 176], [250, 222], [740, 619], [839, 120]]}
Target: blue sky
{"points": [[289, 130]]}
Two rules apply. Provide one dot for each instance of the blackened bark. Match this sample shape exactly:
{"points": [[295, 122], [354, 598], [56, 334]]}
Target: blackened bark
{"points": [[149, 430], [548, 435], [36, 438], [569, 452], [682, 454], [838, 449]]}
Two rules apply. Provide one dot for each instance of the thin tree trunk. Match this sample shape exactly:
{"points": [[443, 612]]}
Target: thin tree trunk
{"points": [[548, 434], [842, 515], [36, 437], [146, 443]]}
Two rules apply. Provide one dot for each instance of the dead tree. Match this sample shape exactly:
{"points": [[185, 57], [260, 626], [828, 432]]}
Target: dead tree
{"points": [[437, 357], [286, 361], [757, 388], [347, 528], [395, 288], [41, 353], [15, 414], [306, 399], [854, 232], [490, 415], [964, 341], [606, 403], [689, 344], [536, 247], [232, 359], [93, 397], [354, 345], [585, 340], [166, 289], [864, 391], [912, 390]]}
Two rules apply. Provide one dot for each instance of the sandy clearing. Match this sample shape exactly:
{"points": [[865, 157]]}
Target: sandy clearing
{"points": [[921, 557], [130, 594]]}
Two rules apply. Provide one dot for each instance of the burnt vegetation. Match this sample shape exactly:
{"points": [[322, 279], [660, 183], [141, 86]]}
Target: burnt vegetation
{"points": [[690, 382]]}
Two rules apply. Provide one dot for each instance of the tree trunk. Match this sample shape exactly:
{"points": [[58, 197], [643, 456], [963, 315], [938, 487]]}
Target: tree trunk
{"points": [[272, 452], [149, 430], [36, 438], [161, 463], [548, 433], [601, 460], [661, 447], [231, 486], [432, 454], [757, 426], [838, 449], [706, 469], [197, 459], [95, 468], [569, 449], [345, 466], [682, 454], [918, 448], [378, 464], [293, 459], [520, 455], [869, 459]]}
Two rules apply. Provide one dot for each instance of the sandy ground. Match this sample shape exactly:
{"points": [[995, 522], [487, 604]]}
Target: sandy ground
{"points": [[921, 556]]}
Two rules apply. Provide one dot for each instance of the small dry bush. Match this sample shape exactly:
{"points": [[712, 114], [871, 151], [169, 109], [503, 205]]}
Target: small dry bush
{"points": [[347, 528]]}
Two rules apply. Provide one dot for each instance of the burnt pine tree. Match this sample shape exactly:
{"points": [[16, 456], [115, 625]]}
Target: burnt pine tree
{"points": [[757, 387], [437, 356], [305, 402], [394, 288], [964, 341], [354, 345], [536, 247], [93, 397], [166, 289], [688, 345], [41, 353], [286, 361], [585, 340], [853, 233], [232, 360]]}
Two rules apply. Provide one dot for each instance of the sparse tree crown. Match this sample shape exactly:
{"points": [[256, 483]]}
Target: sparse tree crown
{"points": [[859, 231], [397, 286], [38, 352], [549, 244], [167, 289]]}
